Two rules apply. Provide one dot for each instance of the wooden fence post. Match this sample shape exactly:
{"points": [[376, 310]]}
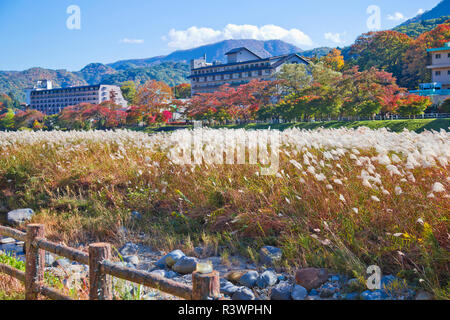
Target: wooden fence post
{"points": [[205, 286], [35, 261], [100, 285]]}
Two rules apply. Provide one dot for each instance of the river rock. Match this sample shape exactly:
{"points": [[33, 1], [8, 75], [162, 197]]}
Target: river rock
{"points": [[228, 288], [171, 274], [266, 279], [49, 259], [160, 273], [243, 293], [249, 279], [270, 255], [235, 275], [136, 215], [423, 295], [373, 295], [7, 240], [132, 259], [62, 263], [386, 281], [281, 291], [19, 216], [352, 296], [185, 265], [170, 259], [298, 292], [311, 278], [328, 290], [129, 249]]}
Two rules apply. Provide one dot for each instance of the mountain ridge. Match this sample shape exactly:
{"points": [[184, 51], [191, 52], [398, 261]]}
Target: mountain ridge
{"points": [[214, 52], [440, 10]]}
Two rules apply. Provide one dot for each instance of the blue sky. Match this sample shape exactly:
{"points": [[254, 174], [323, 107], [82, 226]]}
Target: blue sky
{"points": [[34, 33]]}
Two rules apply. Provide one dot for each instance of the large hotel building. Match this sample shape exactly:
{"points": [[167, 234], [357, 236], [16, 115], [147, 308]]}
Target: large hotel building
{"points": [[51, 101], [242, 66]]}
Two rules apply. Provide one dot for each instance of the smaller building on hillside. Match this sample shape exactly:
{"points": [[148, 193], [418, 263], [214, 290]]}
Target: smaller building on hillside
{"points": [[439, 89], [43, 97], [440, 66]]}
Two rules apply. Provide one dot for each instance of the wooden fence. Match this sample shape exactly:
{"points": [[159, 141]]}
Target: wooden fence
{"points": [[204, 286]]}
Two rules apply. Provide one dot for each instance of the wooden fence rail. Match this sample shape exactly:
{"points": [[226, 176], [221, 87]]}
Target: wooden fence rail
{"points": [[204, 286]]}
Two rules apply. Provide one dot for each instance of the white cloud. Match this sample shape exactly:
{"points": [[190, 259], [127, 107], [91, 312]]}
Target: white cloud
{"points": [[398, 16], [132, 41], [420, 11], [334, 37], [194, 36]]}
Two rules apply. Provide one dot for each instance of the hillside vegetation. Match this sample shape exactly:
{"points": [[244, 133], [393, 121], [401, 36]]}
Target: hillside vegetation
{"points": [[415, 29]]}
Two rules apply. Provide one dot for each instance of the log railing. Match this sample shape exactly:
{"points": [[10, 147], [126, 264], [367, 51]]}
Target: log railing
{"points": [[204, 286]]}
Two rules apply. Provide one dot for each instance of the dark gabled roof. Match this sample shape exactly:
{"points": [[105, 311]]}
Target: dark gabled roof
{"points": [[283, 58], [235, 50], [280, 58]]}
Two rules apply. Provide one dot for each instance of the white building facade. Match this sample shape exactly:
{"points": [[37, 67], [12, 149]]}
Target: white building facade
{"points": [[440, 65], [242, 67], [49, 101], [439, 89]]}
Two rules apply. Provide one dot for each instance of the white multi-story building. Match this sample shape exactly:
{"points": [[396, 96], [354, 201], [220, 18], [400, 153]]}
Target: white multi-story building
{"points": [[242, 66], [45, 98], [440, 65], [439, 89]]}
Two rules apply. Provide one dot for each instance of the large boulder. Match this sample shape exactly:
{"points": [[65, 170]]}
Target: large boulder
{"points": [[311, 278], [170, 259], [270, 255], [185, 265], [19, 216]]}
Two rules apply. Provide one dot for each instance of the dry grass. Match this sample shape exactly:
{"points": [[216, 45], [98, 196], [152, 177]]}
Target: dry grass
{"points": [[11, 289], [85, 186]]}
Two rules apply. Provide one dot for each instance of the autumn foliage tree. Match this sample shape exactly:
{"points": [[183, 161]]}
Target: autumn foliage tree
{"points": [[334, 60], [232, 103], [153, 95], [352, 93], [106, 115], [384, 50], [28, 119], [416, 56], [182, 91], [413, 105]]}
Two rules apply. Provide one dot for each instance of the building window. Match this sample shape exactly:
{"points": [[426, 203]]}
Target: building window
{"points": [[438, 56], [449, 54], [438, 73], [448, 72]]}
